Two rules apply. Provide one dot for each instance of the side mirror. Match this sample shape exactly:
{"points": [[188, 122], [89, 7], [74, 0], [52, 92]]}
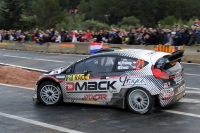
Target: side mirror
{"points": [[86, 72]]}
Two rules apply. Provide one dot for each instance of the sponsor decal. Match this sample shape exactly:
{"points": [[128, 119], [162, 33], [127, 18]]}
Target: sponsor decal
{"points": [[91, 86], [178, 79], [166, 85], [167, 93], [124, 63], [181, 88], [77, 77], [94, 102], [95, 97], [160, 63], [70, 86], [60, 77], [129, 80]]}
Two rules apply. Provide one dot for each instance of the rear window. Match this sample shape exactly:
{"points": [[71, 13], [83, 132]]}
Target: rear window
{"points": [[173, 67], [125, 63]]}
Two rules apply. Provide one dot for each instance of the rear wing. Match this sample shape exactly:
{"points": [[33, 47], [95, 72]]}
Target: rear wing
{"points": [[174, 57]]}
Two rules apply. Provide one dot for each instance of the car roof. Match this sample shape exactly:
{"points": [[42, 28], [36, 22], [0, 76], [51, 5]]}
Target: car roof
{"points": [[130, 52]]}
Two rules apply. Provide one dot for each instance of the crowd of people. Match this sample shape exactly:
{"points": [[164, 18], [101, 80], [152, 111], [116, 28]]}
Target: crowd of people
{"points": [[176, 36]]}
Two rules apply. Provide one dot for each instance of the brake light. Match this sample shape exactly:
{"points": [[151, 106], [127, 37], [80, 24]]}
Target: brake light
{"points": [[159, 74]]}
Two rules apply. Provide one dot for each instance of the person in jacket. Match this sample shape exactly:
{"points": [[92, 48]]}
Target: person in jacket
{"points": [[191, 38], [131, 38], [162, 37], [178, 37], [185, 35], [1, 36], [171, 38]]}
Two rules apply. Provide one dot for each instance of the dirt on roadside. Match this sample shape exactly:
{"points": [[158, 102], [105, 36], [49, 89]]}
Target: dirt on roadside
{"points": [[18, 76]]}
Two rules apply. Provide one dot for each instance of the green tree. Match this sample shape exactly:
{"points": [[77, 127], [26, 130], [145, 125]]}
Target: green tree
{"points": [[130, 22], [11, 12], [48, 13], [72, 22], [84, 7]]}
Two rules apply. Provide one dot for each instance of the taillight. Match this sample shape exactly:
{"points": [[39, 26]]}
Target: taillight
{"points": [[159, 74]]}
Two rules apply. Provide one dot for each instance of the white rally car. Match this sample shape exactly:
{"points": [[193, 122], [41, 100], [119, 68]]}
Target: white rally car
{"points": [[131, 78]]}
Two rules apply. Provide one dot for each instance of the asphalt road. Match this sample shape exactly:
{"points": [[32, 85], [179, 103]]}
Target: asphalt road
{"points": [[19, 114]]}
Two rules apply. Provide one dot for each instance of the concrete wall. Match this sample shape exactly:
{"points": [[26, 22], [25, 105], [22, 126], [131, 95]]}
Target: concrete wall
{"points": [[191, 54]]}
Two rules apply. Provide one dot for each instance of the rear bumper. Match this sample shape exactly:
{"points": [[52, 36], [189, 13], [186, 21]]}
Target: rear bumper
{"points": [[172, 97]]}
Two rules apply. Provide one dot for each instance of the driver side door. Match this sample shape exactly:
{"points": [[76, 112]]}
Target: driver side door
{"points": [[91, 81]]}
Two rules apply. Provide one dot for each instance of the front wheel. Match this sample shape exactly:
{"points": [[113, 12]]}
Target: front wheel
{"points": [[49, 93], [140, 100]]}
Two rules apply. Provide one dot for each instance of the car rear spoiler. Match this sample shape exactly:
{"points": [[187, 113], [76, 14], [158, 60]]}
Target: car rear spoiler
{"points": [[174, 57]]}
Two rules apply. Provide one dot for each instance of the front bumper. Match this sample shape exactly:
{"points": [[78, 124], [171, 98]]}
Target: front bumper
{"points": [[172, 97]]}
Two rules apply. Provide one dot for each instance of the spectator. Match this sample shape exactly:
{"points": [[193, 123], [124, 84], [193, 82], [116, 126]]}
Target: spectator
{"points": [[74, 35], [162, 38], [131, 37], [147, 40], [191, 38], [159, 28], [197, 30], [178, 36], [100, 36], [171, 38], [63, 35], [58, 38], [185, 35], [88, 36], [1, 36]]}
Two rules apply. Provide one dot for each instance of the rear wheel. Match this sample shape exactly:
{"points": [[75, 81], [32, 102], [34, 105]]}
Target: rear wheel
{"points": [[139, 100], [50, 93]]}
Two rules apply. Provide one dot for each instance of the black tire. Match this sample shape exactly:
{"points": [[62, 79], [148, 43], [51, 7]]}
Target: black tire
{"points": [[143, 98], [49, 93]]}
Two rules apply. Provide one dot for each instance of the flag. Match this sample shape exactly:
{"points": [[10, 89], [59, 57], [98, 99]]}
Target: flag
{"points": [[95, 46]]}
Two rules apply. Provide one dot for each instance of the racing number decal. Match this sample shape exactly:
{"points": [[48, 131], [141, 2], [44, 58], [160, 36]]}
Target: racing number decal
{"points": [[70, 86], [140, 64]]}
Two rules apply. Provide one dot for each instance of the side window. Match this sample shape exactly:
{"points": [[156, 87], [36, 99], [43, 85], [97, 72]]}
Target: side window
{"points": [[125, 63], [95, 65], [69, 70], [106, 64], [79, 67], [92, 64]]}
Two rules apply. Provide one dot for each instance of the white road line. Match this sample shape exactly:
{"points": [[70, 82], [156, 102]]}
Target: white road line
{"points": [[41, 124], [17, 57], [20, 87], [191, 74], [182, 113], [32, 58], [194, 92], [190, 63], [187, 100], [47, 60], [192, 88], [28, 68]]}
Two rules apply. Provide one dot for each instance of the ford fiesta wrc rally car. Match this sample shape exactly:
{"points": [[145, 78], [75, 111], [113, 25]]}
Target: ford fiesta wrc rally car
{"points": [[132, 78]]}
